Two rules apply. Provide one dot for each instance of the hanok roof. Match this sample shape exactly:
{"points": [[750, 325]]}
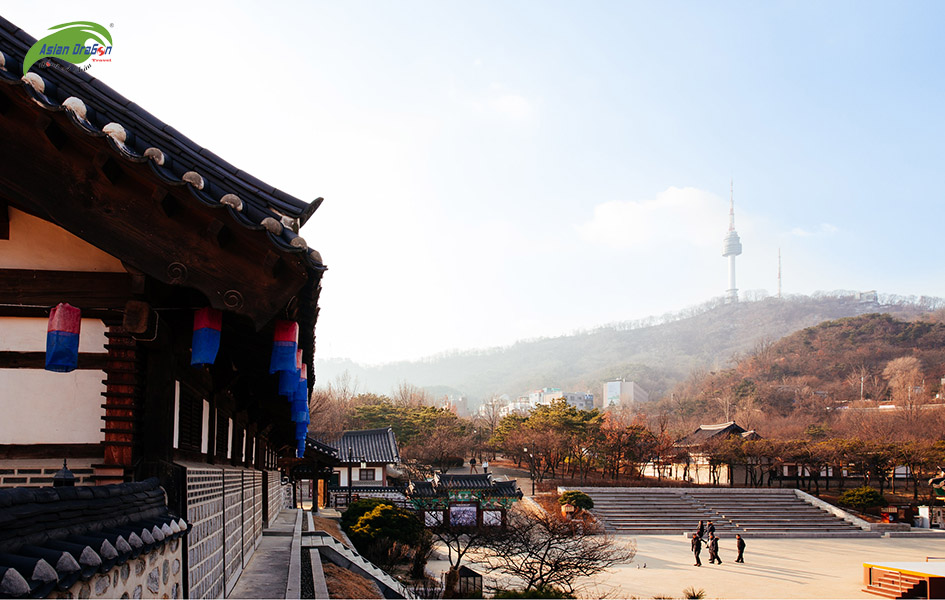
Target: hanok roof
{"points": [[161, 178], [50, 537], [442, 484], [707, 432], [369, 445]]}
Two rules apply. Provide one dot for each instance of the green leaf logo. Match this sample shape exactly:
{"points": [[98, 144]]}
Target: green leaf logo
{"points": [[69, 42]]}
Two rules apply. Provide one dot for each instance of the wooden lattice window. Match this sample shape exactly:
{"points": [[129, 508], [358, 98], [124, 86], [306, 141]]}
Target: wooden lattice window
{"points": [[190, 420]]}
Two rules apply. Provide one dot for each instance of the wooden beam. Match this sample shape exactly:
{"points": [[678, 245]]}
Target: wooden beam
{"points": [[49, 288], [4, 221], [88, 361], [59, 451]]}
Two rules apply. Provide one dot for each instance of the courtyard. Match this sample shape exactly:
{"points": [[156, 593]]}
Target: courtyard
{"points": [[773, 568]]}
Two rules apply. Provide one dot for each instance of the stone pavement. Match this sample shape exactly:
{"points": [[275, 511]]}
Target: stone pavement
{"points": [[267, 574], [773, 568]]}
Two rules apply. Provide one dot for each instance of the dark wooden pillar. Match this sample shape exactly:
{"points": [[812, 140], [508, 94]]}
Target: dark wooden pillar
{"points": [[122, 394]]}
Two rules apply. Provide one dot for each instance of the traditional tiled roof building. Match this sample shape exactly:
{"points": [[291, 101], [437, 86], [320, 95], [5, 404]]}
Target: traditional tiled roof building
{"points": [[108, 209], [464, 500]]}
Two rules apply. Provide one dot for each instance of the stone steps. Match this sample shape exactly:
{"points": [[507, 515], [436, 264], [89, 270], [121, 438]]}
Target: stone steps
{"points": [[769, 513]]}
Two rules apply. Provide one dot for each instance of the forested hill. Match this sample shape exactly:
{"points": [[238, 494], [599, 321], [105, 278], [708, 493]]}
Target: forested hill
{"points": [[656, 356], [867, 356]]}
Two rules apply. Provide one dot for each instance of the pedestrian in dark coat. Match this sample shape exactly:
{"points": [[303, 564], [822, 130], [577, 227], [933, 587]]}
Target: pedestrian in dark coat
{"points": [[701, 531], [710, 528], [740, 544], [714, 549], [697, 548]]}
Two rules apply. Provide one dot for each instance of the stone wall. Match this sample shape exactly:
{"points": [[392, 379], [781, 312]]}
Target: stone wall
{"points": [[224, 504], [275, 496], [158, 574]]}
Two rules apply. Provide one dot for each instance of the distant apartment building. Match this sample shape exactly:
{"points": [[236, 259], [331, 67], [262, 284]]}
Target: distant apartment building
{"points": [[580, 400], [526, 403], [458, 405], [622, 393]]}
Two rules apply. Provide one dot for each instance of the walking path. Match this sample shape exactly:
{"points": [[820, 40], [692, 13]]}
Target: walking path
{"points": [[267, 574]]}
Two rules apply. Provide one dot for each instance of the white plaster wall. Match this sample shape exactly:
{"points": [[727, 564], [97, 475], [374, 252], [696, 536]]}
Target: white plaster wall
{"points": [[41, 407], [38, 244], [29, 335]]}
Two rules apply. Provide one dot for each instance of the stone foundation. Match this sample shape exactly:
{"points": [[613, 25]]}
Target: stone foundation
{"points": [[158, 574]]}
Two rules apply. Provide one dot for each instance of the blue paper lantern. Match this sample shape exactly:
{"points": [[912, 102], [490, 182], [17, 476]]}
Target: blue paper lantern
{"points": [[288, 383]]}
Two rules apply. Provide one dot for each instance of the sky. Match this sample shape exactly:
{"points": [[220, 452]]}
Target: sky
{"points": [[504, 170]]}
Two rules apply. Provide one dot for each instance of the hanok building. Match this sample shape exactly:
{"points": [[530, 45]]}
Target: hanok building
{"points": [[693, 463], [464, 500], [108, 209], [366, 460]]}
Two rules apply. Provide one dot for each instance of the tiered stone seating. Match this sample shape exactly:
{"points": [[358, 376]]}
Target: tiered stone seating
{"points": [[751, 512]]}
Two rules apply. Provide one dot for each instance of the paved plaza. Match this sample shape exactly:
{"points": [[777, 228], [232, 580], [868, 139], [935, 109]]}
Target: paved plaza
{"points": [[773, 568]]}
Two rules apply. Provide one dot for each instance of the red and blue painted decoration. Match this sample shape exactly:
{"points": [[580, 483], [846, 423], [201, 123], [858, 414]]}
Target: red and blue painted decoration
{"points": [[285, 345], [62, 338], [208, 322]]}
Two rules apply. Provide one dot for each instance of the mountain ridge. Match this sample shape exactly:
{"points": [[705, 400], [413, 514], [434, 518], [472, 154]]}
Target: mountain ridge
{"points": [[656, 352]]}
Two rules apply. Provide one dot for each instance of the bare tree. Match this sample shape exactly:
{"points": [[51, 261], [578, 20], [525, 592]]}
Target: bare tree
{"points": [[543, 550], [408, 394], [460, 540], [907, 385]]}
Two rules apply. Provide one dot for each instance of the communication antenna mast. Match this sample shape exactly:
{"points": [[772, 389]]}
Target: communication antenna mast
{"points": [[732, 247]]}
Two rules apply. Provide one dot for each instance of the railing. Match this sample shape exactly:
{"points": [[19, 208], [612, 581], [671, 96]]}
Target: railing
{"points": [[339, 496]]}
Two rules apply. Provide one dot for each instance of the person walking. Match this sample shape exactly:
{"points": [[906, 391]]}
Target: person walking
{"points": [[740, 544], [714, 549], [701, 530], [710, 528], [697, 548]]}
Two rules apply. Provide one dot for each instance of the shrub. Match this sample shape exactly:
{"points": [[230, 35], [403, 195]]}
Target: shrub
{"points": [[389, 522], [691, 593], [576, 499], [861, 498], [349, 518]]}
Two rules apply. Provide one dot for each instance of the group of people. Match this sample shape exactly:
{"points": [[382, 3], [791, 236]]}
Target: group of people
{"points": [[712, 543]]}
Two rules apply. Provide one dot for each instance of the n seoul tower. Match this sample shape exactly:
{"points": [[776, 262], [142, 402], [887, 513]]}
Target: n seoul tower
{"points": [[731, 248]]}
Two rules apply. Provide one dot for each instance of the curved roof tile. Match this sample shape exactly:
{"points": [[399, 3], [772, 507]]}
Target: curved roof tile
{"points": [[137, 136]]}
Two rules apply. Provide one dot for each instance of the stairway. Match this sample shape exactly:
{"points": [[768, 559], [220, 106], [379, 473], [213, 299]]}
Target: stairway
{"points": [[754, 512], [345, 557], [893, 584]]}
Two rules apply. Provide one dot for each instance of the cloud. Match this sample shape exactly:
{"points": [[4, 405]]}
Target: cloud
{"points": [[824, 229], [686, 216]]}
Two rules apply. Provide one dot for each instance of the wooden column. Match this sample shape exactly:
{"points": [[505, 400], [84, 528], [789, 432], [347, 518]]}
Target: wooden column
{"points": [[122, 394]]}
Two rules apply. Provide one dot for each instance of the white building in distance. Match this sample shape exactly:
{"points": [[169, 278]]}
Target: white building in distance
{"points": [[545, 396], [622, 393]]}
